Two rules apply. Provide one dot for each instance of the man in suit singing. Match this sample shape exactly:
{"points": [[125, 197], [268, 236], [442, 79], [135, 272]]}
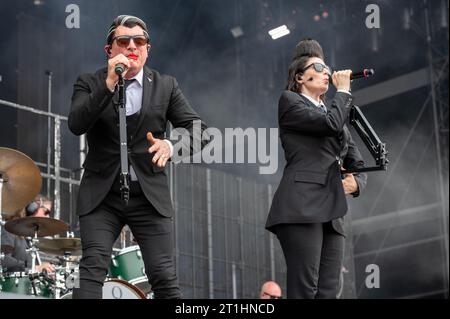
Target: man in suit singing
{"points": [[151, 99]]}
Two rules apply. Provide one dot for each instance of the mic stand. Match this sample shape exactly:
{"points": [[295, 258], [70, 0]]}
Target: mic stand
{"points": [[2, 256], [370, 139], [124, 173]]}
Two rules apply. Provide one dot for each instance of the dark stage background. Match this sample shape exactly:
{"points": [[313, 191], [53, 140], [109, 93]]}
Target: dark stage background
{"points": [[400, 223]]}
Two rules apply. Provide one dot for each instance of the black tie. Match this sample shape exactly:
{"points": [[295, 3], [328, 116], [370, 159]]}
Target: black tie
{"points": [[128, 82], [323, 108]]}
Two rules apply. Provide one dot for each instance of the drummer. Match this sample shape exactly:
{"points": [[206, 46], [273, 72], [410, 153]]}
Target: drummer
{"points": [[14, 247]]}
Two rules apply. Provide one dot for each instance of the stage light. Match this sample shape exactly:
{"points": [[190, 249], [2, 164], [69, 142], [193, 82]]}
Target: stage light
{"points": [[237, 32], [279, 32], [38, 2]]}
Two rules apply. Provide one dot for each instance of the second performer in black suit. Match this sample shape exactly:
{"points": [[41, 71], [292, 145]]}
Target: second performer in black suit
{"points": [[310, 203]]}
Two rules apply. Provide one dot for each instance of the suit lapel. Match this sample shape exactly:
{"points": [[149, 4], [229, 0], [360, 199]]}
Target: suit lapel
{"points": [[307, 101], [147, 83], [342, 137]]}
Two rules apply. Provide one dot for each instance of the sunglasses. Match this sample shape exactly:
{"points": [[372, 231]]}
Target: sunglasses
{"points": [[272, 296], [318, 67], [47, 212], [124, 40]]}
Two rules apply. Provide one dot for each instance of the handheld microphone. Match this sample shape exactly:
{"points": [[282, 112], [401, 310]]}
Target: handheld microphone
{"points": [[120, 68], [365, 73]]}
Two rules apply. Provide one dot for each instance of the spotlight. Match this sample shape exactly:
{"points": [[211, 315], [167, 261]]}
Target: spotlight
{"points": [[279, 32], [237, 32]]}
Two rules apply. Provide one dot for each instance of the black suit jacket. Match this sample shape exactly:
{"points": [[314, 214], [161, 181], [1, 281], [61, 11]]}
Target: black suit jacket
{"points": [[316, 145], [94, 112]]}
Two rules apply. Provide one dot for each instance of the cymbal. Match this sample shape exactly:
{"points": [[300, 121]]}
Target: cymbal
{"points": [[22, 180], [26, 226], [60, 246]]}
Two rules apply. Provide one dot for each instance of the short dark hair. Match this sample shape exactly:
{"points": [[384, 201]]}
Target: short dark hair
{"points": [[127, 21], [304, 50]]}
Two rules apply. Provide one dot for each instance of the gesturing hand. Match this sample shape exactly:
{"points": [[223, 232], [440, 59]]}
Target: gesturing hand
{"points": [[161, 149]]}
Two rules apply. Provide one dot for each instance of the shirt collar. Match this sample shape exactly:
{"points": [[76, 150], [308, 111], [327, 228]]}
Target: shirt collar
{"points": [[139, 77], [312, 100]]}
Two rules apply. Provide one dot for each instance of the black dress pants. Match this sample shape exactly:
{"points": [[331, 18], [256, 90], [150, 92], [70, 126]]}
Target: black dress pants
{"points": [[314, 255], [153, 232]]}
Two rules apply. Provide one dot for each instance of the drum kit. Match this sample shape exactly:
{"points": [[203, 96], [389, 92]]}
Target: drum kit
{"points": [[20, 182]]}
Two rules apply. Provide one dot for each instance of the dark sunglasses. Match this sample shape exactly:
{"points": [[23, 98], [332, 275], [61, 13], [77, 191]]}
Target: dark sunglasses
{"points": [[124, 40], [318, 67], [47, 211], [272, 296]]}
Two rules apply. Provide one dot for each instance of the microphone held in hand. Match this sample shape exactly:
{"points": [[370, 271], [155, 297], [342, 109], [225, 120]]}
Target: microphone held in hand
{"points": [[120, 68], [365, 73]]}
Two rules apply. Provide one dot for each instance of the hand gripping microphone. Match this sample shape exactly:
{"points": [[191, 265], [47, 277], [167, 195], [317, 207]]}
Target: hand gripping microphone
{"points": [[120, 68]]}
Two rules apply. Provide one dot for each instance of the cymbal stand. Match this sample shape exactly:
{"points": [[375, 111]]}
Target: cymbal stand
{"points": [[34, 251], [3, 179]]}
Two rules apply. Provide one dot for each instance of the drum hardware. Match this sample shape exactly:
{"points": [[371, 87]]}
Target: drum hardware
{"points": [[34, 251], [20, 182], [25, 284], [70, 234], [66, 280], [35, 281], [65, 246], [36, 226]]}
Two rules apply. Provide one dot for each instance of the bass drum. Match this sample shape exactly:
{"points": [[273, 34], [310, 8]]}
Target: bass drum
{"points": [[117, 289]]}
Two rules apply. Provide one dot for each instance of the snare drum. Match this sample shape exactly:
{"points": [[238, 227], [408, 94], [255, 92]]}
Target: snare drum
{"points": [[20, 283], [117, 289], [128, 265]]}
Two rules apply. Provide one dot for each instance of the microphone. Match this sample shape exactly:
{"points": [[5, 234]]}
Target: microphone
{"points": [[120, 68], [365, 73]]}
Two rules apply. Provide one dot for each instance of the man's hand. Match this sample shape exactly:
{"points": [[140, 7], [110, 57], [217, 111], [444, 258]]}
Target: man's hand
{"points": [[161, 149], [349, 183], [112, 77], [49, 268]]}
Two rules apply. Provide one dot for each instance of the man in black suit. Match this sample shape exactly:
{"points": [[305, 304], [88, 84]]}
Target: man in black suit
{"points": [[309, 205], [151, 100]]}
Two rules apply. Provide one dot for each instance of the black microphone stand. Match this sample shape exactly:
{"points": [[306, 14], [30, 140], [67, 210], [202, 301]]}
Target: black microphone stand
{"points": [[370, 139], [124, 173]]}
